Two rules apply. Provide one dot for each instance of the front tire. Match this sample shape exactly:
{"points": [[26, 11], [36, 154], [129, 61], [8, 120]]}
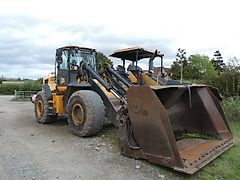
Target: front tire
{"points": [[41, 107], [86, 113]]}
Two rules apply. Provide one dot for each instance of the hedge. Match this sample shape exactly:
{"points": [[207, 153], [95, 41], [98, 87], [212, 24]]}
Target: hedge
{"points": [[9, 89]]}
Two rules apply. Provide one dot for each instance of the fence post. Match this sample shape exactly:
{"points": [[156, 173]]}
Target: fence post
{"points": [[15, 93]]}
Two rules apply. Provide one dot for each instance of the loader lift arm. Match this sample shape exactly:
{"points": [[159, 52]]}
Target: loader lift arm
{"points": [[118, 93]]}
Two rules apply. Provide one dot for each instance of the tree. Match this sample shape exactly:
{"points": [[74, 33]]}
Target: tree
{"points": [[177, 69], [232, 74], [234, 63], [196, 67], [103, 61], [200, 67], [217, 62], [181, 56]]}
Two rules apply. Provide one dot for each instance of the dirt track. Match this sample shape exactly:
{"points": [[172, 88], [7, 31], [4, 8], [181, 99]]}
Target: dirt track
{"points": [[29, 150]]}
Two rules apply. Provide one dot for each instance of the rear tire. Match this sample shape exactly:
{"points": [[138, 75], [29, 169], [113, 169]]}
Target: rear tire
{"points": [[41, 107], [86, 113]]}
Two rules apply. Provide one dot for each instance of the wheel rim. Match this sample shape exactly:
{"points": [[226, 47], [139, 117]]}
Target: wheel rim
{"points": [[78, 114], [39, 108]]}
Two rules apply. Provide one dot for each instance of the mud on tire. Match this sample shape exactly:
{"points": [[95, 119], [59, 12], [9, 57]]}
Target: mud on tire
{"points": [[86, 113], [41, 107]]}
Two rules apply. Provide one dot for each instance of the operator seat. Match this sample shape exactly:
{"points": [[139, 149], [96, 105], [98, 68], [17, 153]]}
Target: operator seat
{"points": [[136, 70], [121, 70]]}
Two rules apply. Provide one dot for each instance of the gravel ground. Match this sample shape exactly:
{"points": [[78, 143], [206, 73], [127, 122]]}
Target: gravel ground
{"points": [[29, 150]]}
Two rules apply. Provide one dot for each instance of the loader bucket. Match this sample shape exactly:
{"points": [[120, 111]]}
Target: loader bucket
{"points": [[178, 126]]}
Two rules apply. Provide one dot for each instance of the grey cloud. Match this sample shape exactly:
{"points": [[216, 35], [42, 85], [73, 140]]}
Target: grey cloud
{"points": [[26, 71], [107, 43], [26, 52], [13, 21]]}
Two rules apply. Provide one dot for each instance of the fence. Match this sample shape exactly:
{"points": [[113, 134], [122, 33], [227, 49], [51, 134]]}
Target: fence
{"points": [[23, 95]]}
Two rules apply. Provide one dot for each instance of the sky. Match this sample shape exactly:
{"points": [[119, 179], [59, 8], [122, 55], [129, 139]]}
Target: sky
{"points": [[31, 30]]}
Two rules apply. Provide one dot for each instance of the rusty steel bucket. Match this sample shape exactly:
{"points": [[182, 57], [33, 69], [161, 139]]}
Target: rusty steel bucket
{"points": [[156, 116]]}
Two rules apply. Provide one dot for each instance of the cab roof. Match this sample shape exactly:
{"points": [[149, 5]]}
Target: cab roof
{"points": [[76, 47], [135, 53]]}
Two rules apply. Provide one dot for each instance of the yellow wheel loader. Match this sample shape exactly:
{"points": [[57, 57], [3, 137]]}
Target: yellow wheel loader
{"points": [[152, 121], [135, 74]]}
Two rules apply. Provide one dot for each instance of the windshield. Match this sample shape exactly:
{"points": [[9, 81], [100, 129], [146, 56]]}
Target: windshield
{"points": [[74, 57]]}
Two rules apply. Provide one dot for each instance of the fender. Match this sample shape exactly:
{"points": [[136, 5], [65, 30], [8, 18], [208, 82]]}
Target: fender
{"points": [[71, 88], [47, 90]]}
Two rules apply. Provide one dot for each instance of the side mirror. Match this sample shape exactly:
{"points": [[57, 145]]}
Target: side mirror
{"points": [[59, 59]]}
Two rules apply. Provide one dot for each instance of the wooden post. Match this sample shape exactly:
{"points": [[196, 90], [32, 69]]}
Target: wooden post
{"points": [[15, 93]]}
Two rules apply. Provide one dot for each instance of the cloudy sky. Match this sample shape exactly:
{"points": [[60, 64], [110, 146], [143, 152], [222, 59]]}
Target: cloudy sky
{"points": [[31, 30]]}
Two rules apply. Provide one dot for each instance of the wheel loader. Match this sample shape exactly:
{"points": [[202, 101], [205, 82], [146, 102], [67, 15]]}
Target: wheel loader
{"points": [[150, 120], [135, 74]]}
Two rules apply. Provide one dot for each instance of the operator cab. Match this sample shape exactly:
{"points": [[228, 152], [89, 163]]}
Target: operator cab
{"points": [[68, 61]]}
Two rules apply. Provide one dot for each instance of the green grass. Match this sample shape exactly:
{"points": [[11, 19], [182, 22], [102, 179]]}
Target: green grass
{"points": [[184, 135]]}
